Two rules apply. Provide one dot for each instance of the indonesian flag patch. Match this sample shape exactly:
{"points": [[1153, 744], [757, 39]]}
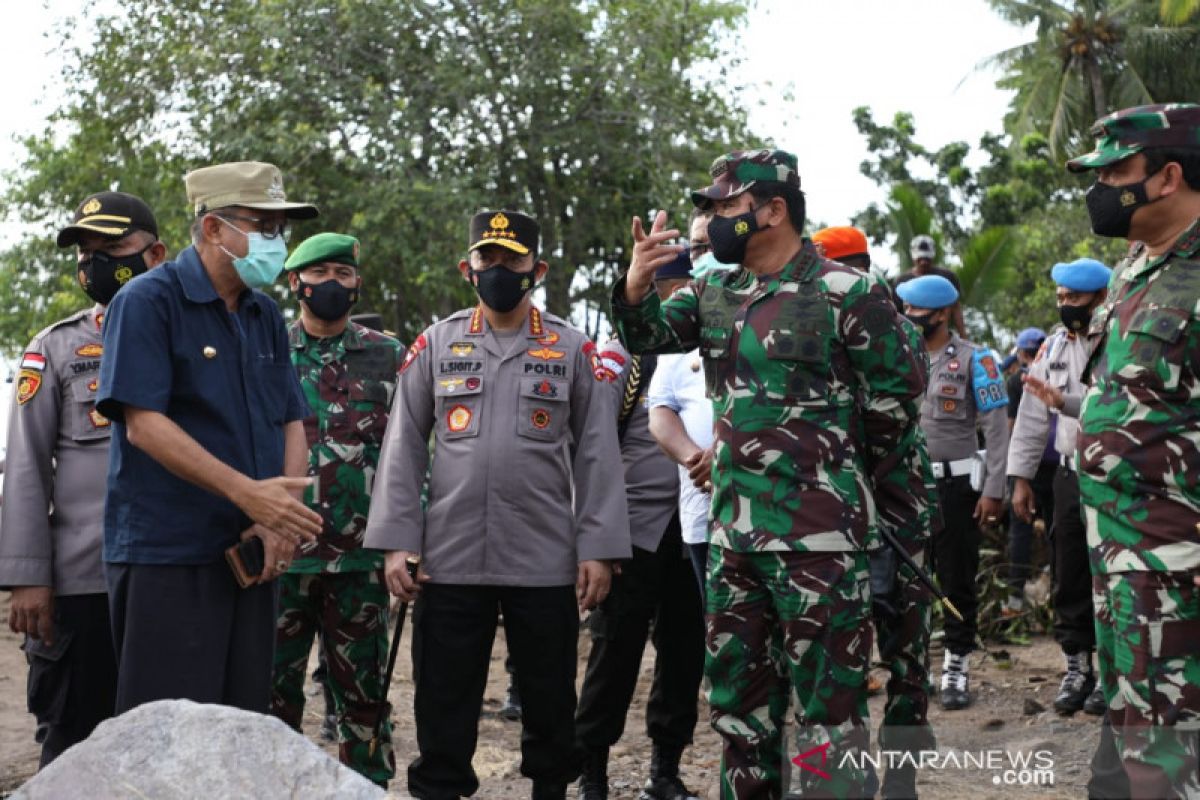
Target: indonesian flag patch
{"points": [[35, 361]]}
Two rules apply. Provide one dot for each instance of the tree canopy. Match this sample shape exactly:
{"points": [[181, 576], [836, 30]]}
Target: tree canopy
{"points": [[399, 118]]}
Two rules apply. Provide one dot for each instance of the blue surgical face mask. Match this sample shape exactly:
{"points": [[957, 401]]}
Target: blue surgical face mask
{"points": [[263, 261], [708, 263]]}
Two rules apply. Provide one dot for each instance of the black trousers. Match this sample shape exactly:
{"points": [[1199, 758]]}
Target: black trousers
{"points": [[454, 627], [1074, 624], [656, 588], [1020, 532], [190, 632], [956, 560], [73, 682]]}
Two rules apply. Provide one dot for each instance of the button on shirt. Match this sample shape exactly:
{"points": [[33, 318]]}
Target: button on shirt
{"points": [[678, 384], [172, 346]]}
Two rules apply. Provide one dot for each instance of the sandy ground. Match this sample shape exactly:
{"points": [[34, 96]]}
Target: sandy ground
{"points": [[997, 720]]}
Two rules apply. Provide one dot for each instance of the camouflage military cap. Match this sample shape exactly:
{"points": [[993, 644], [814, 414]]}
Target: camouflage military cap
{"points": [[337, 248], [1131, 130], [734, 173]]}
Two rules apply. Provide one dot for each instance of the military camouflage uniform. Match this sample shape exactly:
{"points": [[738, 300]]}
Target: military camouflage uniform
{"points": [[814, 442], [1139, 476], [903, 614], [349, 381]]}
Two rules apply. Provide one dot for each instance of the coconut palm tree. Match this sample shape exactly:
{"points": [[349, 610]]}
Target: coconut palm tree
{"points": [[1088, 58], [1177, 12]]}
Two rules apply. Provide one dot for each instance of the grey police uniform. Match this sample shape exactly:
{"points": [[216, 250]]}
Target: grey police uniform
{"points": [[523, 485], [1060, 364], [953, 405], [51, 525], [656, 589]]}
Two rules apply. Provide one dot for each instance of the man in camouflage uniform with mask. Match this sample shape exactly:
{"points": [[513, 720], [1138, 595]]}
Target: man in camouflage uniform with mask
{"points": [[815, 433], [348, 373], [1139, 442]]}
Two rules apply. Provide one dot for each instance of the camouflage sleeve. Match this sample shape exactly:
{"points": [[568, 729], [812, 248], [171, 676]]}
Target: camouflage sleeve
{"points": [[652, 326], [1028, 440], [892, 375]]}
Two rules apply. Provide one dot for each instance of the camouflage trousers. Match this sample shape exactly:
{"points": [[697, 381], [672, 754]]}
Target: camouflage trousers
{"points": [[351, 611], [1148, 646], [902, 628], [780, 626]]}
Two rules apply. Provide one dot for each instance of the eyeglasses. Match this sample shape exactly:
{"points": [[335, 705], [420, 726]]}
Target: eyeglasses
{"points": [[268, 229]]}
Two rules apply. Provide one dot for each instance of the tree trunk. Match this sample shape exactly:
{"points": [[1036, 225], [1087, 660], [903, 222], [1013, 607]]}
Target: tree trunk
{"points": [[1099, 96]]}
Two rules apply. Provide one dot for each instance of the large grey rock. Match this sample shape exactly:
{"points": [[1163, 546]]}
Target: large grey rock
{"points": [[180, 749]]}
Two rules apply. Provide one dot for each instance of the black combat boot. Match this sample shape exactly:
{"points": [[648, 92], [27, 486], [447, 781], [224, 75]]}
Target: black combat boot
{"points": [[664, 783], [1076, 685], [956, 682], [593, 783], [1096, 705], [549, 791]]}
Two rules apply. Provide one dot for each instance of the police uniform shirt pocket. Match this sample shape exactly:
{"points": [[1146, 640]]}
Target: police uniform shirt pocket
{"points": [[83, 422], [458, 405], [948, 396], [542, 408]]}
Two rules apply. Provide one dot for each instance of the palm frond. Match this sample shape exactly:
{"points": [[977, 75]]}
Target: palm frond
{"points": [[987, 260]]}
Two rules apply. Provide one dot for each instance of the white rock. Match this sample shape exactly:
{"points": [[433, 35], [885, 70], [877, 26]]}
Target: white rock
{"points": [[180, 749]]}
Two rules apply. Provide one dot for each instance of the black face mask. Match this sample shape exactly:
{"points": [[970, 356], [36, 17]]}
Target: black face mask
{"points": [[1076, 318], [500, 288], [328, 300], [728, 236], [104, 274], [1111, 208], [922, 321]]}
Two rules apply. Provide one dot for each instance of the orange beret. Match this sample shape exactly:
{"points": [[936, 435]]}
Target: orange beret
{"points": [[841, 241]]}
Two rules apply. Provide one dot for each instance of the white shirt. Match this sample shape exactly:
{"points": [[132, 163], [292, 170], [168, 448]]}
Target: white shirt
{"points": [[678, 384]]}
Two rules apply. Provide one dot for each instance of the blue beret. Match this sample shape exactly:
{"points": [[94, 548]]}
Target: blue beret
{"points": [[678, 267], [1082, 275], [928, 291], [1008, 361], [1031, 338]]}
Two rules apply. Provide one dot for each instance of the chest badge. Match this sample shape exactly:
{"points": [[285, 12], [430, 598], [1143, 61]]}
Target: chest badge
{"points": [[949, 405], [90, 350], [461, 349], [547, 354], [954, 365], [98, 420], [545, 389], [209, 351], [459, 419], [540, 419], [451, 384]]}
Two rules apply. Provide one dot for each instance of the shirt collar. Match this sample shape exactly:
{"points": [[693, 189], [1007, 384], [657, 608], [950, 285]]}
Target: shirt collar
{"points": [[351, 338], [197, 286]]}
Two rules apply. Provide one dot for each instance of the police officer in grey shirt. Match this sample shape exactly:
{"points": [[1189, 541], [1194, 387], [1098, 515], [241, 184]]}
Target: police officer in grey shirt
{"points": [[1054, 383], [51, 523], [525, 510], [966, 389]]}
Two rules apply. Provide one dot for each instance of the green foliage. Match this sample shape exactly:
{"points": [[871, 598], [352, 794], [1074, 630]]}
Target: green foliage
{"points": [[1092, 57], [399, 118]]}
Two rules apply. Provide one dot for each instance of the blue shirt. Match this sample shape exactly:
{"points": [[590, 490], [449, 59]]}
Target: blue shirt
{"points": [[171, 346]]}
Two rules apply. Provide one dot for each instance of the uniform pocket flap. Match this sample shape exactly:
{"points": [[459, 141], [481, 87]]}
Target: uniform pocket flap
{"points": [[807, 346], [545, 389], [1165, 324], [84, 389]]}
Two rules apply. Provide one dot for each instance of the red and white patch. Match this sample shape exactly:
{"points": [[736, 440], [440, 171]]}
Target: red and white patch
{"points": [[35, 361], [540, 419], [413, 351], [614, 362]]}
